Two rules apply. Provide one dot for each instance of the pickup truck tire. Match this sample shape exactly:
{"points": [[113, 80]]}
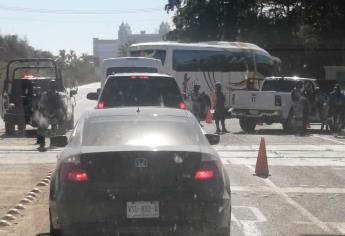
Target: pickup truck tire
{"points": [[9, 128], [248, 124]]}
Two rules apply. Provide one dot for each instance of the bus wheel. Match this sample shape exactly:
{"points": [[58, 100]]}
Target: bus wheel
{"points": [[9, 128], [248, 124]]}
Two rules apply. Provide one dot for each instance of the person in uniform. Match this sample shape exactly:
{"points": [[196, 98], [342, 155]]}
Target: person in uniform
{"points": [[53, 111], [219, 108]]}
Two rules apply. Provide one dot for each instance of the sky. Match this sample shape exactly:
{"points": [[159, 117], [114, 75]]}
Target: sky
{"points": [[39, 23]]}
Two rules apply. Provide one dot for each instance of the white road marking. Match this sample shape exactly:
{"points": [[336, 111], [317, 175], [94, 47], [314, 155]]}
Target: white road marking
{"points": [[329, 139], [340, 226], [248, 227], [288, 190], [298, 207]]}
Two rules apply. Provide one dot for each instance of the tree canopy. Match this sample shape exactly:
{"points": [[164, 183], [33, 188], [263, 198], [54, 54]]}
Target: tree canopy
{"points": [[275, 25]]}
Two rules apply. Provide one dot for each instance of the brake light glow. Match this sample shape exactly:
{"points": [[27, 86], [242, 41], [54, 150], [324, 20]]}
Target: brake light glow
{"points": [[100, 105], [182, 105], [140, 77], [78, 176], [28, 76], [204, 174]]}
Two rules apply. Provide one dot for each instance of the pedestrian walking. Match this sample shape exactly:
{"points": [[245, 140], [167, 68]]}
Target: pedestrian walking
{"points": [[52, 112], [196, 102], [219, 108]]}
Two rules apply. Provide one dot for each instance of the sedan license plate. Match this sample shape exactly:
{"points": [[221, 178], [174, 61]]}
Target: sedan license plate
{"points": [[136, 210]]}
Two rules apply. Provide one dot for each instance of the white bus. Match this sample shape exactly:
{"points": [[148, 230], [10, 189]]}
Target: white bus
{"points": [[230, 63]]}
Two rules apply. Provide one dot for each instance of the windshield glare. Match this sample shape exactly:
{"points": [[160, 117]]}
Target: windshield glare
{"points": [[151, 133]]}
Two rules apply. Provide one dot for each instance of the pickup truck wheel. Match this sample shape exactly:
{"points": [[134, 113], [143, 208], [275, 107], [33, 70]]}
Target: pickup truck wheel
{"points": [[9, 128], [248, 124]]}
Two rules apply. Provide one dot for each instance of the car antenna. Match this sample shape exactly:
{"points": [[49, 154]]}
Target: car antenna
{"points": [[138, 110]]}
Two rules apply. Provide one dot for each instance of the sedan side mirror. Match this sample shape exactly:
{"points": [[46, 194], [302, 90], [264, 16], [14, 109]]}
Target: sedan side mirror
{"points": [[59, 141], [92, 96], [213, 139]]}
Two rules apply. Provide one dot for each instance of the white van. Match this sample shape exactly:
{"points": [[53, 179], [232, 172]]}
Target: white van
{"points": [[114, 66]]}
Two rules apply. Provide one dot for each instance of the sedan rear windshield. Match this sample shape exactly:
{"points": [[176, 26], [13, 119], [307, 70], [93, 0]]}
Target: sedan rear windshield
{"points": [[107, 132], [278, 85], [141, 91], [117, 70]]}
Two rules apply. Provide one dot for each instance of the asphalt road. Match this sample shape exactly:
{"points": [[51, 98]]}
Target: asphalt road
{"points": [[304, 194]]}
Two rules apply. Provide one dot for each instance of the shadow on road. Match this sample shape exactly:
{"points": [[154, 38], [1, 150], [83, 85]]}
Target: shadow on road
{"points": [[43, 234], [28, 134]]}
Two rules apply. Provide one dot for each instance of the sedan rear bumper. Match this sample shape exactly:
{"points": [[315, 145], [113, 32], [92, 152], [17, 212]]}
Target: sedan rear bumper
{"points": [[174, 216]]}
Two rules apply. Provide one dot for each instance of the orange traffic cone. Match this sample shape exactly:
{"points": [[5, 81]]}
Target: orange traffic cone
{"points": [[261, 168], [208, 116]]}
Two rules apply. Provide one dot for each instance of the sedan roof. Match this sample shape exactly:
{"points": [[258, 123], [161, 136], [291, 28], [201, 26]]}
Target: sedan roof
{"points": [[139, 111]]}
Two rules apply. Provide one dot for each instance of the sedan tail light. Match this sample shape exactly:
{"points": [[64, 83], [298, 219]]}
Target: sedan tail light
{"points": [[100, 105], [182, 105], [207, 170], [72, 171]]}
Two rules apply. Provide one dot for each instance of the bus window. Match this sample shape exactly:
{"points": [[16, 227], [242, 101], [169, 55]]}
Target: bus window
{"points": [[222, 61], [264, 65], [156, 54]]}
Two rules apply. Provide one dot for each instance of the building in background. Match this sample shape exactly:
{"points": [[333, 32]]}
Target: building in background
{"points": [[103, 49]]}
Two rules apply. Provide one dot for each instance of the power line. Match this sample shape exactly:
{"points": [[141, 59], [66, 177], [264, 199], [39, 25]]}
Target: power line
{"points": [[78, 12]]}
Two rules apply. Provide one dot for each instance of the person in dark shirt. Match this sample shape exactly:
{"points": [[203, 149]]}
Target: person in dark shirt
{"points": [[219, 108]]}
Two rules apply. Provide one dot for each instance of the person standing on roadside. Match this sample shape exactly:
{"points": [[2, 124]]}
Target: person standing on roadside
{"points": [[219, 108], [336, 111], [53, 112], [196, 102], [300, 106]]}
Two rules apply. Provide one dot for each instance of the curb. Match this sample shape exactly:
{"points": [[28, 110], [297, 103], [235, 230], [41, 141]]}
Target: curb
{"points": [[29, 198]]}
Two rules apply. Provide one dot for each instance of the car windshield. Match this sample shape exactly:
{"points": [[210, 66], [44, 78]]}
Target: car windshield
{"points": [[278, 85], [140, 91], [151, 133]]}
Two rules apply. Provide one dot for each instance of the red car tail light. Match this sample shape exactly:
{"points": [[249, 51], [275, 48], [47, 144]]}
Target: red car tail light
{"points": [[73, 172], [100, 105], [204, 174], [182, 105], [207, 170], [78, 176]]}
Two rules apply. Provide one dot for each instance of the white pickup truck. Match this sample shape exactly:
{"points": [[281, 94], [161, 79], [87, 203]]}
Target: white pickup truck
{"points": [[271, 104]]}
